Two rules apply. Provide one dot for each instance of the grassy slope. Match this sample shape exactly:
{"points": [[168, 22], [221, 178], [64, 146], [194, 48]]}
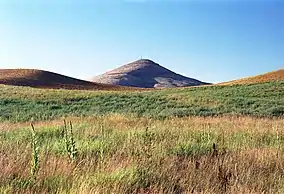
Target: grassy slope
{"points": [[45, 79], [270, 76], [25, 104]]}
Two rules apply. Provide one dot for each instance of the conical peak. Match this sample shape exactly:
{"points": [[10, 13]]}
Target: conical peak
{"points": [[144, 61], [145, 73]]}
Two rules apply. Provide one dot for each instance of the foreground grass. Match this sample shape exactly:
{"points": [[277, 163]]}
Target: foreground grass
{"points": [[123, 154], [18, 104]]}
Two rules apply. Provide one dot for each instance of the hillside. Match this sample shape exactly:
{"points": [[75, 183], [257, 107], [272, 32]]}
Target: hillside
{"points": [[145, 73], [267, 77], [45, 79]]}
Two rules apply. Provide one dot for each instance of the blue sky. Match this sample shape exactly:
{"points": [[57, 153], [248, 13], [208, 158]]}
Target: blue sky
{"points": [[209, 40]]}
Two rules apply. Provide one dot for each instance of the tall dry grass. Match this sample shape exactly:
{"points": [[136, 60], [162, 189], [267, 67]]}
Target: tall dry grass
{"points": [[124, 154]]}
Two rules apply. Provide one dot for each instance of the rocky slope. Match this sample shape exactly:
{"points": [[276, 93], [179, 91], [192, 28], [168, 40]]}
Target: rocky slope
{"points": [[145, 73]]}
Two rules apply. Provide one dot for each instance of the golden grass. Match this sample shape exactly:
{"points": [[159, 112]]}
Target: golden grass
{"points": [[121, 122], [257, 169], [267, 77]]}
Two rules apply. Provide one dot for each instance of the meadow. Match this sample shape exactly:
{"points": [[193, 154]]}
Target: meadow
{"points": [[213, 139], [19, 104]]}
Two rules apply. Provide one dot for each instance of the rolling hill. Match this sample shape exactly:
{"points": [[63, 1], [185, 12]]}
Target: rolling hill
{"points": [[145, 73], [45, 79], [267, 77]]}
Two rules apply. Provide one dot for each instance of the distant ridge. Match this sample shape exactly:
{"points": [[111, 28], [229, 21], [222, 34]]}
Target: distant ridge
{"points": [[45, 79], [270, 76], [145, 73]]}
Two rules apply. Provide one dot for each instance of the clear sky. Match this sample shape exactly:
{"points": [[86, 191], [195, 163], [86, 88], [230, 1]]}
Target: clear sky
{"points": [[209, 40]]}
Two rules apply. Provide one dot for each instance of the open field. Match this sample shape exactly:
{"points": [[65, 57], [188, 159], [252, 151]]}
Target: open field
{"points": [[211, 139], [19, 104], [122, 154]]}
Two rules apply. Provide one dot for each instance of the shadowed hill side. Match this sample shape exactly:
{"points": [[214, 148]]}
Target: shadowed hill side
{"points": [[45, 79], [145, 73], [267, 77]]}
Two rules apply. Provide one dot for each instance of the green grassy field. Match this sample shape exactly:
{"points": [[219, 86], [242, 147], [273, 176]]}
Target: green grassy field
{"points": [[215, 139], [25, 104]]}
